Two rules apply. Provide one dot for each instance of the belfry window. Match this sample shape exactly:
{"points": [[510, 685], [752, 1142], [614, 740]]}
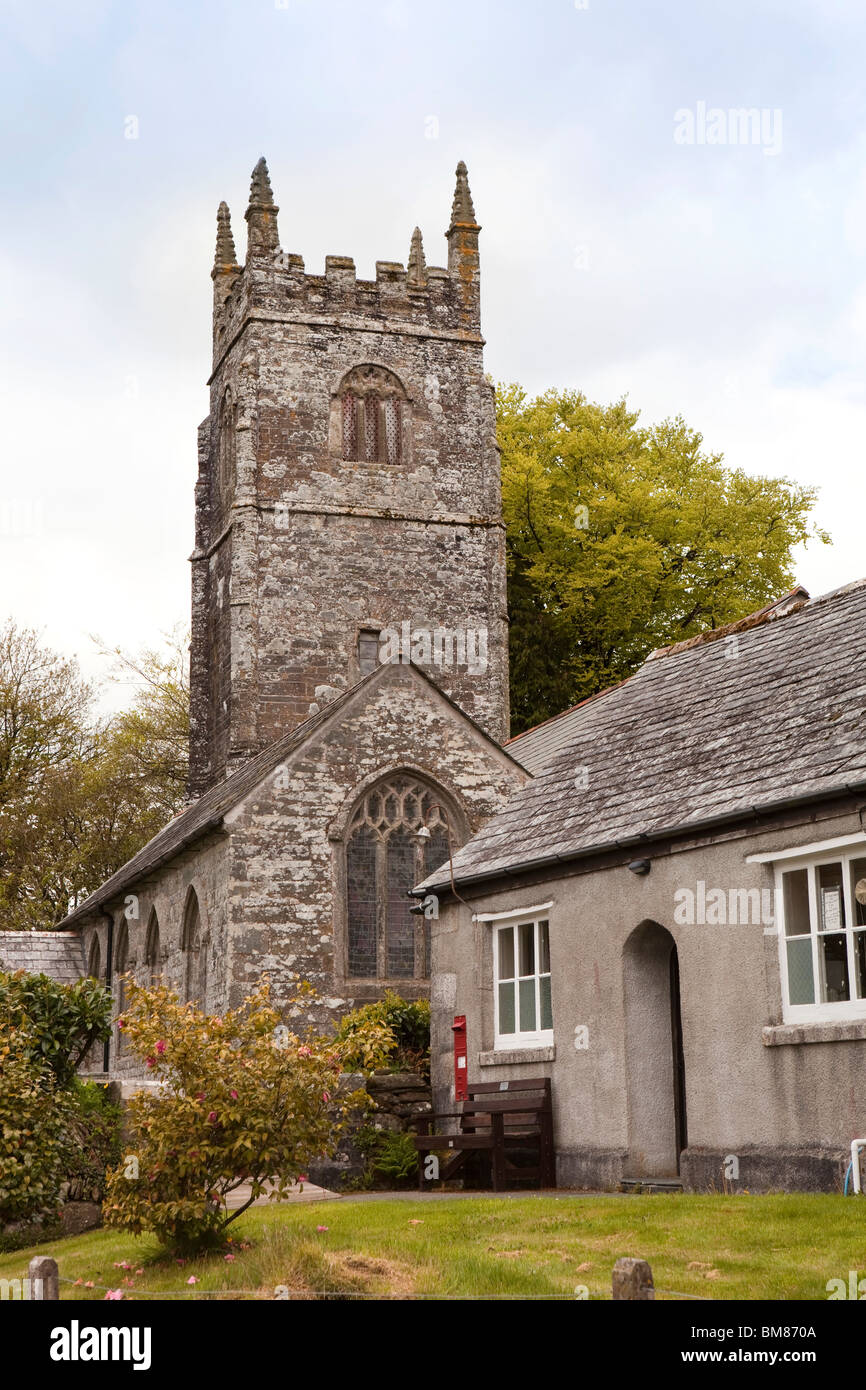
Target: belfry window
{"points": [[385, 858], [374, 416]]}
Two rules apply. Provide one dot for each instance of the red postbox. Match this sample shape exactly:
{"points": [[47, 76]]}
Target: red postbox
{"points": [[458, 1028]]}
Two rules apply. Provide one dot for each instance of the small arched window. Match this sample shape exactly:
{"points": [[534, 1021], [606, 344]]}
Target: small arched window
{"points": [[374, 416], [227, 447], [194, 953], [151, 950], [385, 858], [94, 959], [121, 965]]}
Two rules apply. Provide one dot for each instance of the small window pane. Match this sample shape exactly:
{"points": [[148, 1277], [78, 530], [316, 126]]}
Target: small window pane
{"points": [[527, 1006], [801, 982], [835, 967], [371, 429], [368, 651], [831, 903], [546, 1007], [795, 891], [858, 891], [860, 962], [527, 948], [506, 1008], [543, 948], [506, 953], [349, 417], [392, 430]]}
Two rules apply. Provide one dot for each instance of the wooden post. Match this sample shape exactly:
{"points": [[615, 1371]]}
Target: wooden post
{"points": [[633, 1280], [44, 1279]]}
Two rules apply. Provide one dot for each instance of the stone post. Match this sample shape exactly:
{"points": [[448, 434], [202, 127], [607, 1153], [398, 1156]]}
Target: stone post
{"points": [[633, 1279], [44, 1279]]}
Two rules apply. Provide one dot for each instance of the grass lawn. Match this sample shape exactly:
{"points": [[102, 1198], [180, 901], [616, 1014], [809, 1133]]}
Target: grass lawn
{"points": [[779, 1247]]}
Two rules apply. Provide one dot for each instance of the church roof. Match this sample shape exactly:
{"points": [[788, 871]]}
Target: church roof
{"points": [[764, 712], [58, 954], [206, 814]]}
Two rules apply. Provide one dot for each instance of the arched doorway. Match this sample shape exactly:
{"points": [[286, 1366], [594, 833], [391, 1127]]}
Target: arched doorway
{"points": [[655, 1067]]}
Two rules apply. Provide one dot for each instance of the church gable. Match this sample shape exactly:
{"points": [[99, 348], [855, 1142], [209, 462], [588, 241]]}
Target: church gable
{"points": [[326, 846]]}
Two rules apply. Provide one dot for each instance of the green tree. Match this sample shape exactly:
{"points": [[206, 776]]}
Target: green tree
{"points": [[622, 538], [79, 793]]}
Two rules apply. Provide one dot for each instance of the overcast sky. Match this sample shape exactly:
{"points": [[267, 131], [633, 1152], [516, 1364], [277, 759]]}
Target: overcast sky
{"points": [[723, 279]]}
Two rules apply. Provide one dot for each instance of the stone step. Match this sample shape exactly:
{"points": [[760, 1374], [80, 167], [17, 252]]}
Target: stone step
{"points": [[663, 1184]]}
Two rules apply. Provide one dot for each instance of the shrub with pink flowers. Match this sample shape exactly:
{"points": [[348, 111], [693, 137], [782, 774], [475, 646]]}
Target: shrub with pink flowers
{"points": [[241, 1100]]}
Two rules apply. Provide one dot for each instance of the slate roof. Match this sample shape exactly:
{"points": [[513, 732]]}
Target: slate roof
{"points": [[59, 954], [705, 731]]}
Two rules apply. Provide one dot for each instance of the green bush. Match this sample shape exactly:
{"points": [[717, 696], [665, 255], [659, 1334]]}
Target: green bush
{"points": [[392, 1033], [93, 1141], [391, 1157], [34, 1114], [241, 1101], [59, 1023]]}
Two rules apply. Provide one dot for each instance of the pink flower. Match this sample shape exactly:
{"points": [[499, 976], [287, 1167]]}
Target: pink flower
{"points": [[321, 1228], [229, 1259], [113, 1294], [302, 1177], [120, 1023], [139, 1271], [212, 1117], [192, 1279], [305, 1052], [233, 1094], [150, 1061], [88, 1284], [199, 1095], [160, 1047], [326, 1095], [79, 1281]]}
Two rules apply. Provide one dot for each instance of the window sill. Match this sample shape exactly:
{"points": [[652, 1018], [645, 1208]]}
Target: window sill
{"points": [[510, 1056], [845, 1030]]}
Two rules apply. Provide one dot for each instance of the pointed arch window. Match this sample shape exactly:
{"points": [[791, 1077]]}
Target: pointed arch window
{"points": [[94, 959], [194, 954], [385, 858], [121, 965], [151, 950], [374, 416]]}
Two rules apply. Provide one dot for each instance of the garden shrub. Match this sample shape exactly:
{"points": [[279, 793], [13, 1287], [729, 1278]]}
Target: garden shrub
{"points": [[34, 1113], [93, 1144], [241, 1100], [392, 1033], [61, 1022], [391, 1157]]}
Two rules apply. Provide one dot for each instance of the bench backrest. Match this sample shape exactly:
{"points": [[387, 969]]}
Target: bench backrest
{"points": [[521, 1103]]}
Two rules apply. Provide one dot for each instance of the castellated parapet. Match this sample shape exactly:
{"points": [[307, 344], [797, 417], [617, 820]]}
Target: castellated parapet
{"points": [[348, 481]]}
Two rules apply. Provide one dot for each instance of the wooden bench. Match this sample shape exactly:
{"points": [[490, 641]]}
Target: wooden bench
{"points": [[498, 1118]]}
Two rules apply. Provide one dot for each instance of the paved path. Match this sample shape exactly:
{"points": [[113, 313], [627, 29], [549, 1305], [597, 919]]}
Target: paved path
{"points": [[311, 1193]]}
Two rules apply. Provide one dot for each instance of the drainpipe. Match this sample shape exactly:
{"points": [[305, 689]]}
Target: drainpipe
{"points": [[109, 959]]}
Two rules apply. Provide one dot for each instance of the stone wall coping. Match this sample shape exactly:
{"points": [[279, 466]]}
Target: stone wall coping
{"points": [[783, 1034], [504, 1057]]}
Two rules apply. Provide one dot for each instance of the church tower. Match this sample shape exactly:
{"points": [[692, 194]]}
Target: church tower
{"points": [[348, 505]]}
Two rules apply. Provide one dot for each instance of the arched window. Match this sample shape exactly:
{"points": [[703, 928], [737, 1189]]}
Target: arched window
{"points": [[151, 950], [385, 858], [121, 965], [94, 959], [195, 954], [227, 447], [375, 416]]}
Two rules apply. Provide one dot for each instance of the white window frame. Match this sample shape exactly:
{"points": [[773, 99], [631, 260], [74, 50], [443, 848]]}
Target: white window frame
{"points": [[540, 1037], [819, 1012]]}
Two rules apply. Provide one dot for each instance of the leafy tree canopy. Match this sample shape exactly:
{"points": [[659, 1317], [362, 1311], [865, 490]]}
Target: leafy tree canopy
{"points": [[622, 538]]}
